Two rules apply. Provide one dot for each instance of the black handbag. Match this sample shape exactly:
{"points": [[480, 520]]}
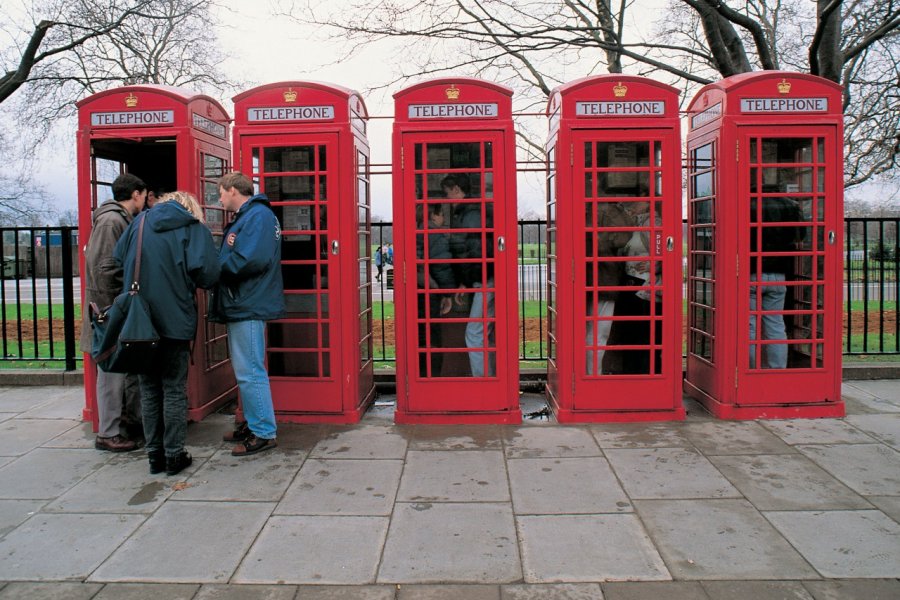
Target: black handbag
{"points": [[124, 337]]}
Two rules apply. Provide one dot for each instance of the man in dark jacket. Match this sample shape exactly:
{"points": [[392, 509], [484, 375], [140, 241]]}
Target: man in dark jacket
{"points": [[251, 292], [177, 256], [102, 283]]}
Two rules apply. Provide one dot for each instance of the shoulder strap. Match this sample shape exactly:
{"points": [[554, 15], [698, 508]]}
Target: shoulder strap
{"points": [[135, 285]]}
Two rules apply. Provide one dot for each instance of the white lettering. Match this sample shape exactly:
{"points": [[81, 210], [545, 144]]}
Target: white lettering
{"points": [[137, 117], [710, 114], [210, 127], [790, 105], [290, 113], [641, 108], [453, 111]]}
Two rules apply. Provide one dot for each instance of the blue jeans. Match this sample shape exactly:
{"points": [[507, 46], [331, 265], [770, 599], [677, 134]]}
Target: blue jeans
{"points": [[247, 345], [775, 355], [164, 398], [482, 305]]}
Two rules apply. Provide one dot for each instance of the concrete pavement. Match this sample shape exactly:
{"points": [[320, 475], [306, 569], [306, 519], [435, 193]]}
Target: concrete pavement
{"points": [[704, 509]]}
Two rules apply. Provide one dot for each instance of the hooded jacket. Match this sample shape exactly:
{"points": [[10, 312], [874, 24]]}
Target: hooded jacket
{"points": [[250, 287], [102, 274], [177, 257]]}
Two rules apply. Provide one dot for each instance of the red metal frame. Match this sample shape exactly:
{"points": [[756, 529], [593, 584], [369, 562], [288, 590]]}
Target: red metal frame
{"points": [[304, 145], [776, 138], [455, 126], [161, 134], [623, 114]]}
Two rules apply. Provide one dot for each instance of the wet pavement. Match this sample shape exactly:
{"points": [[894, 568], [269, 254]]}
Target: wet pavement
{"points": [[702, 509]]}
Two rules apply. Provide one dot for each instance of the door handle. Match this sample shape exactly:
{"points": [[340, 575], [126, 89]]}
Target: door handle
{"points": [[670, 243], [334, 247], [831, 237], [501, 243]]}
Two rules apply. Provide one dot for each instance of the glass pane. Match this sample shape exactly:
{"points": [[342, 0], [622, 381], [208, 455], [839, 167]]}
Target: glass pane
{"points": [[787, 150], [290, 187], [635, 184], [623, 154], [588, 155], [457, 155], [289, 159], [213, 166], [786, 179], [294, 335], [293, 364], [703, 157]]}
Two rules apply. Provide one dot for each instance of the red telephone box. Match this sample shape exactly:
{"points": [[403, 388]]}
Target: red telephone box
{"points": [[304, 145], [614, 235], [455, 240], [173, 139], [765, 216]]}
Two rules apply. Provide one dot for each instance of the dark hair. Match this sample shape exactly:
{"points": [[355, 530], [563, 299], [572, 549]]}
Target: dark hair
{"points": [[125, 185], [457, 180], [238, 181], [435, 209]]}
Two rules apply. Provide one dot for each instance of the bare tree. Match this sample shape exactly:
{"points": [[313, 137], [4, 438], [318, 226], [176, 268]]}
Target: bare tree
{"points": [[59, 51], [534, 45]]}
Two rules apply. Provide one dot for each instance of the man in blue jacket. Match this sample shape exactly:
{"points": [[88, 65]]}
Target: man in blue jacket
{"points": [[251, 292], [177, 257]]}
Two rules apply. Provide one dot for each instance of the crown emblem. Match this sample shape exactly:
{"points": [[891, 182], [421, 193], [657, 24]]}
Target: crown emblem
{"points": [[620, 90], [290, 95], [784, 87], [452, 92], [131, 100]]}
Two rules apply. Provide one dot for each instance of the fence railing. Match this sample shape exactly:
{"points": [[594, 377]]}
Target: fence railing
{"points": [[41, 293]]}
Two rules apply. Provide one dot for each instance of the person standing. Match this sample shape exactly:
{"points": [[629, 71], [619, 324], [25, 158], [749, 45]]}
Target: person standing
{"points": [[102, 283], [177, 256], [379, 262], [250, 293]]}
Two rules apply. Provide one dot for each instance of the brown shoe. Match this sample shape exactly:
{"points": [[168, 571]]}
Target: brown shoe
{"points": [[252, 445], [241, 432], [115, 443]]}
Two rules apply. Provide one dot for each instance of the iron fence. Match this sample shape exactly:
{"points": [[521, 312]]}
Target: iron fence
{"points": [[41, 292]]}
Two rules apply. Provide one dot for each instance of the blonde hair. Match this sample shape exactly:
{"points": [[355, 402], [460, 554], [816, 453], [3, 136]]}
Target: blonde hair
{"points": [[188, 201]]}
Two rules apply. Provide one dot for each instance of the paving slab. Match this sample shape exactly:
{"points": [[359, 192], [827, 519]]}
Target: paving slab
{"points": [[754, 590], [668, 473], [4, 416], [889, 505], [449, 592], [454, 476], [640, 435], [365, 441], [296, 436], [246, 592], [177, 544], [550, 442], [546, 486], [21, 398], [20, 436], [5, 460], [554, 591], [345, 592], [731, 437], [868, 469], [719, 539], [66, 406], [124, 485], [59, 470], [147, 591], [259, 478], [654, 590], [884, 428], [453, 437], [861, 543], [885, 389], [80, 437], [315, 549], [817, 431], [585, 548], [343, 487], [854, 589], [451, 543], [205, 438], [787, 482], [15, 512], [49, 591], [31, 552], [860, 399]]}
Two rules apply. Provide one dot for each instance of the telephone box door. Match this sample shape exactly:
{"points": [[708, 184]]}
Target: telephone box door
{"points": [[455, 208], [297, 174], [628, 318], [790, 287]]}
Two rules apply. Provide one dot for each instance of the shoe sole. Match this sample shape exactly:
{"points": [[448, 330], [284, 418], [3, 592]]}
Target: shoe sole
{"points": [[268, 446], [108, 449]]}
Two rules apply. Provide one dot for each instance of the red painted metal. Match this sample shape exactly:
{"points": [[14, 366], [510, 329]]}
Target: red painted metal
{"points": [[765, 197], [614, 223], [304, 145], [462, 128], [174, 140]]}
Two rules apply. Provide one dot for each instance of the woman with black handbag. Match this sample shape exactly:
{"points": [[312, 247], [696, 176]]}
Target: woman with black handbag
{"points": [[177, 257]]}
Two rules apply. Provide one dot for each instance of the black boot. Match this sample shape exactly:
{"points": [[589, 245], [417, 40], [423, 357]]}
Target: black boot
{"points": [[157, 461], [178, 463]]}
